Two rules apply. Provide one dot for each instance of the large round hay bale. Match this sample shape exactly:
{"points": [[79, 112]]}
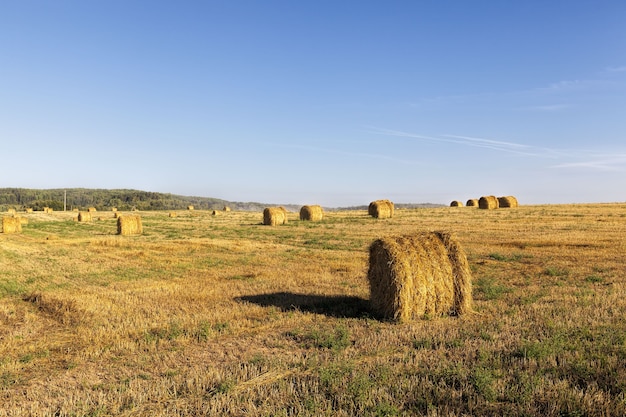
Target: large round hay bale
{"points": [[172, 214], [84, 216], [190, 208], [11, 224], [489, 202], [419, 275], [456, 203], [381, 209], [129, 224], [472, 202], [226, 208], [273, 216], [507, 202], [91, 209], [312, 213]]}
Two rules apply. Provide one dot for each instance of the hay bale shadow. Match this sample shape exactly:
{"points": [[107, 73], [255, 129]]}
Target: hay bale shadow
{"points": [[330, 305]]}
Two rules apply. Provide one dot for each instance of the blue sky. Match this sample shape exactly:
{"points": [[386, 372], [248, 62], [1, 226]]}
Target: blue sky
{"points": [[317, 102]]}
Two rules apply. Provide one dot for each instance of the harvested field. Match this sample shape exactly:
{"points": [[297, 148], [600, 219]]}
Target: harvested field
{"points": [[221, 315]]}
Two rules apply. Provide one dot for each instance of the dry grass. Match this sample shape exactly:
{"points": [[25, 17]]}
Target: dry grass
{"points": [[222, 316]]}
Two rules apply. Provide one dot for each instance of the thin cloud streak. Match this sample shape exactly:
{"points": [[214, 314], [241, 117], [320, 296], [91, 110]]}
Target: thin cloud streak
{"points": [[595, 160]]}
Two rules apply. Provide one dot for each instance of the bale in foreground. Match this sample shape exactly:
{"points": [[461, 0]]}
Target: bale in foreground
{"points": [[11, 224], [381, 209], [489, 202], [129, 224], [273, 216], [416, 275], [311, 213]]}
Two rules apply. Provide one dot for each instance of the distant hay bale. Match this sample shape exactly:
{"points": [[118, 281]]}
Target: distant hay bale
{"points": [[91, 210], [75, 210], [190, 208], [84, 216], [215, 213], [313, 213], [29, 210], [129, 224], [273, 216], [113, 208], [381, 209], [413, 276], [489, 202], [11, 224], [226, 208], [11, 211], [507, 202], [472, 202], [172, 214], [456, 203], [48, 210]]}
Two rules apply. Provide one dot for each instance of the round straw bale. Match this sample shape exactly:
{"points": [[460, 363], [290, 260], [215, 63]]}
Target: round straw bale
{"points": [[313, 213], [91, 209], [11, 211], [472, 202], [215, 213], [381, 209], [11, 224], [129, 224], [190, 208], [172, 214], [419, 275], [489, 202], [113, 208], [507, 202], [273, 216], [226, 208], [84, 216], [456, 203], [29, 210]]}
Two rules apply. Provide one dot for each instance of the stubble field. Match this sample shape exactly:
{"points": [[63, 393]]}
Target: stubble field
{"points": [[220, 315]]}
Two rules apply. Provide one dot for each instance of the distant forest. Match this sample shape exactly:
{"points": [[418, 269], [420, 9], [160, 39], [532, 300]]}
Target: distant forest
{"points": [[124, 200], [83, 198]]}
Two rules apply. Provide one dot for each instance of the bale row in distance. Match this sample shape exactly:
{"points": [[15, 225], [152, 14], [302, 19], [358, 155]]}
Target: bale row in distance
{"points": [[11, 224], [381, 209], [129, 224], [313, 213], [488, 202], [273, 216], [419, 275], [507, 202]]}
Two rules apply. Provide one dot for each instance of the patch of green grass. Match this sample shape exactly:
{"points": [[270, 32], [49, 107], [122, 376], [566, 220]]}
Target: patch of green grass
{"points": [[334, 339], [490, 288], [506, 258], [554, 271], [594, 279]]}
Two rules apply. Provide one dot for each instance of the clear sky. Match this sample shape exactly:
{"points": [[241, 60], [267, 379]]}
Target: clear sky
{"points": [[317, 102]]}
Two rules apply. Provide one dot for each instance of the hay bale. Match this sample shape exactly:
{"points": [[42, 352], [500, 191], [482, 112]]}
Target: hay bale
{"points": [[190, 208], [416, 275], [48, 210], [29, 210], [489, 202], [226, 208], [507, 202], [84, 216], [381, 209], [172, 214], [11, 211], [215, 213], [129, 224], [113, 209], [91, 210], [11, 224], [273, 216], [456, 203], [312, 213], [472, 202]]}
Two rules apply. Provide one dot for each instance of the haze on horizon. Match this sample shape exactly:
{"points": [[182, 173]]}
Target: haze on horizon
{"points": [[331, 103]]}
